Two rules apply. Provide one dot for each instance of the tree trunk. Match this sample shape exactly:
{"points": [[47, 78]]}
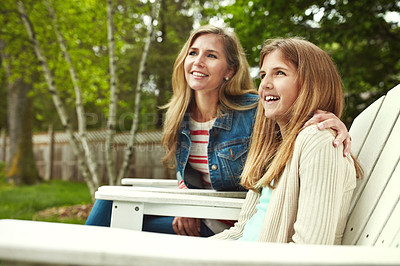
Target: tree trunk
{"points": [[20, 163], [130, 146], [21, 166], [161, 81], [89, 156], [112, 113]]}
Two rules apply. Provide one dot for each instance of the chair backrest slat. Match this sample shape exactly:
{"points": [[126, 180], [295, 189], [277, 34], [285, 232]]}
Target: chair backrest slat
{"points": [[390, 235], [374, 199], [383, 211], [362, 125]]}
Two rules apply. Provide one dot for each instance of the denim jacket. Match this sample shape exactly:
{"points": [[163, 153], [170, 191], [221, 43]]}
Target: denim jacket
{"points": [[229, 141]]}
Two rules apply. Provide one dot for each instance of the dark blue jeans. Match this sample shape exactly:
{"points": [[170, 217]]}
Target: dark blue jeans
{"points": [[100, 215]]}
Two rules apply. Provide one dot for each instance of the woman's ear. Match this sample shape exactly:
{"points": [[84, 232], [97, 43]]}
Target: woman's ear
{"points": [[229, 74]]}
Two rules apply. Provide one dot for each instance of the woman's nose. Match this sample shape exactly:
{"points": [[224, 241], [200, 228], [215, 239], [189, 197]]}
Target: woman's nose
{"points": [[199, 61]]}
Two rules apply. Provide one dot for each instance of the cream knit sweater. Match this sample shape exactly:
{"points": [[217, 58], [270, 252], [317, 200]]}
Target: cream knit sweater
{"points": [[311, 201]]}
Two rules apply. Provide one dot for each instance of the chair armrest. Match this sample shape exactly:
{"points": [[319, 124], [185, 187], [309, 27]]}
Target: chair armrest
{"points": [[130, 204], [37, 243], [132, 194], [174, 190], [147, 182]]}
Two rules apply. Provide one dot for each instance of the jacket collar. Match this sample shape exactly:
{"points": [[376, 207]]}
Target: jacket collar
{"points": [[223, 121]]}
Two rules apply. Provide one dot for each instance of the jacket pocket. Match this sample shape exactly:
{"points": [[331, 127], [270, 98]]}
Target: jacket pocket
{"points": [[232, 156]]}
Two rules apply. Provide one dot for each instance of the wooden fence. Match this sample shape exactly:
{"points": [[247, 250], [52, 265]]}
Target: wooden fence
{"points": [[56, 160]]}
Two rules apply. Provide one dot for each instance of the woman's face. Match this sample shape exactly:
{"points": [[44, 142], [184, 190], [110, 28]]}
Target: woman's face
{"points": [[206, 65], [279, 87]]}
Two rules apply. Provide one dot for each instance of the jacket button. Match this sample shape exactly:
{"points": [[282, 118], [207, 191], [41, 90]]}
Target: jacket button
{"points": [[214, 167]]}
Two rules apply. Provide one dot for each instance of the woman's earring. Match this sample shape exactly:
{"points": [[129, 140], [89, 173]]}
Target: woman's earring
{"points": [[226, 78]]}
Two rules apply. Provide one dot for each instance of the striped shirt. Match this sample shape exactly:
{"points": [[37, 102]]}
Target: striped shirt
{"points": [[198, 158]]}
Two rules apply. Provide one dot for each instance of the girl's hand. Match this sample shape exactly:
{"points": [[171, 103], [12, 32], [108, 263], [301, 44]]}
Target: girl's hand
{"points": [[186, 226], [329, 120]]}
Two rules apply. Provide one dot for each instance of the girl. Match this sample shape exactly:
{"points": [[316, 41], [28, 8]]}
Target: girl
{"points": [[300, 186]]}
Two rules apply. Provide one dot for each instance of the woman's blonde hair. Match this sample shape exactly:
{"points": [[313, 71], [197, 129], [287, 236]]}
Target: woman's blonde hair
{"points": [[320, 87], [239, 84]]}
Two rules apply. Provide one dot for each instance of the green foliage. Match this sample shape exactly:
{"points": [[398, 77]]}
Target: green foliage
{"points": [[364, 45], [172, 31], [25, 201]]}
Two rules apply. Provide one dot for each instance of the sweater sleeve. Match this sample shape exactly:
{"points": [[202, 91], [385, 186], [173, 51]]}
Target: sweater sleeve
{"points": [[247, 211], [323, 175]]}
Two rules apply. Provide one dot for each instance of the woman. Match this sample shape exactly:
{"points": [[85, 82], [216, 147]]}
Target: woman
{"points": [[300, 187], [210, 117], [208, 125]]}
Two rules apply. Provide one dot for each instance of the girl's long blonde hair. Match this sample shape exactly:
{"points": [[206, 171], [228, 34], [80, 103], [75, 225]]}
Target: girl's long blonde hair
{"points": [[239, 84], [320, 87]]}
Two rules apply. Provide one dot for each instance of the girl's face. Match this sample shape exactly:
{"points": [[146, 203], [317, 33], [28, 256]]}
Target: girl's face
{"points": [[205, 64], [279, 87]]}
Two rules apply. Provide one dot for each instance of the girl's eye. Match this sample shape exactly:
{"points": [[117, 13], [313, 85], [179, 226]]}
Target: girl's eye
{"points": [[192, 53], [262, 76]]}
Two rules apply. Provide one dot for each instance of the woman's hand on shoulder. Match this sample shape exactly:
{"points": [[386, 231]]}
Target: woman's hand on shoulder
{"points": [[329, 120]]}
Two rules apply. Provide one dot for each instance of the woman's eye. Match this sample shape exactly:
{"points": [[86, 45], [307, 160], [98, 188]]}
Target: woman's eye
{"points": [[262, 76], [192, 53], [280, 73], [212, 56]]}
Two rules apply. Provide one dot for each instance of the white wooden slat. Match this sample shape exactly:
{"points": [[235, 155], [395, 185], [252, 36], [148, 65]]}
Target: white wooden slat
{"points": [[207, 212], [373, 190], [377, 138], [41, 243], [388, 234], [383, 211], [175, 190], [147, 182], [362, 125], [396, 239]]}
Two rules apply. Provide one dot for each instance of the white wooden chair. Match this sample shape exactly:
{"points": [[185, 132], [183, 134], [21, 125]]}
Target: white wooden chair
{"points": [[374, 217]]}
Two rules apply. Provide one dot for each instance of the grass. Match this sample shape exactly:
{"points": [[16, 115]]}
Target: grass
{"points": [[25, 202]]}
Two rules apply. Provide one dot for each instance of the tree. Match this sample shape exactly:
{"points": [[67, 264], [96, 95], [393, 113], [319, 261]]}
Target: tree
{"points": [[364, 44], [91, 180], [139, 86], [87, 164]]}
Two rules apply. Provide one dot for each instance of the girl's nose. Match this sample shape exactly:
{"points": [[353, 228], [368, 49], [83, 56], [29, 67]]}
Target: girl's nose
{"points": [[266, 83]]}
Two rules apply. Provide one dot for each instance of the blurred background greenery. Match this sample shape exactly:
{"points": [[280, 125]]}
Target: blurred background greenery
{"points": [[362, 36]]}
